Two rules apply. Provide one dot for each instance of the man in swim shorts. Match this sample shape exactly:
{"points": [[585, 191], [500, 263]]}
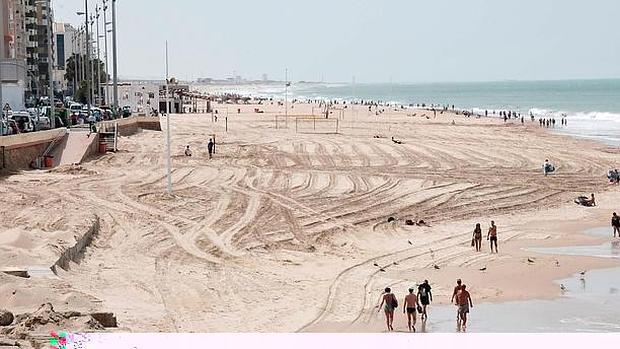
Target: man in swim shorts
{"points": [[463, 300], [410, 305], [492, 236]]}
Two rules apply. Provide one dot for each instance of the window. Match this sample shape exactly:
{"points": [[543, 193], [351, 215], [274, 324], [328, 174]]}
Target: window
{"points": [[60, 51]]}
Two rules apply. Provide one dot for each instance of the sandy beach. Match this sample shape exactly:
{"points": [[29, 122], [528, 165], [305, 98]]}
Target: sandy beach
{"points": [[281, 230]]}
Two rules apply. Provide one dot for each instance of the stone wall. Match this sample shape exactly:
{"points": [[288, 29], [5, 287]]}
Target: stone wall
{"points": [[131, 125], [18, 151]]}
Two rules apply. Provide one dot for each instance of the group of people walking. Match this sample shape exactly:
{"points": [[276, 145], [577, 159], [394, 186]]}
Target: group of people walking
{"points": [[550, 122], [415, 303]]}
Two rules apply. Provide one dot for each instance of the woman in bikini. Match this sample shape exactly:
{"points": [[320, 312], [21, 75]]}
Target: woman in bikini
{"points": [[477, 237], [389, 299]]}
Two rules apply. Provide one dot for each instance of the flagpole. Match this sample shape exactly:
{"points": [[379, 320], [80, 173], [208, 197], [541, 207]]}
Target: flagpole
{"points": [[286, 97], [168, 159]]}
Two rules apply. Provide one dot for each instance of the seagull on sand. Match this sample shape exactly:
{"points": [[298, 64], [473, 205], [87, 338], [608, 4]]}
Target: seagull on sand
{"points": [[409, 241], [562, 287], [483, 268], [436, 266], [375, 264], [383, 270], [557, 263], [530, 260], [583, 274], [395, 263]]}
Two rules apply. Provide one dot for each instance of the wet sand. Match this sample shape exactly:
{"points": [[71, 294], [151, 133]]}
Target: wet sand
{"points": [[588, 303], [282, 228]]}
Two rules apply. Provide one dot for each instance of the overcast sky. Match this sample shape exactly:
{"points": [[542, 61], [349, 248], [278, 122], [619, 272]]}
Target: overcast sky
{"points": [[406, 40]]}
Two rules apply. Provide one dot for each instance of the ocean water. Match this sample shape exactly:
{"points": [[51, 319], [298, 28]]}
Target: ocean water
{"points": [[592, 107]]}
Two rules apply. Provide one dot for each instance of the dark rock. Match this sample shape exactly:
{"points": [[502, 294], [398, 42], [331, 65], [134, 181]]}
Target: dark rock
{"points": [[6, 318]]}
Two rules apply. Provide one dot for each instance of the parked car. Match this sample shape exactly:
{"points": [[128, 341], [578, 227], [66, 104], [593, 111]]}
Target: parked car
{"points": [[126, 111], [97, 113], [6, 128], [43, 123], [24, 120], [75, 112], [13, 127], [106, 113], [75, 107]]}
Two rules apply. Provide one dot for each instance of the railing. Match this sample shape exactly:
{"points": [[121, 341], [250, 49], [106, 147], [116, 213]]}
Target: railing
{"points": [[53, 143]]}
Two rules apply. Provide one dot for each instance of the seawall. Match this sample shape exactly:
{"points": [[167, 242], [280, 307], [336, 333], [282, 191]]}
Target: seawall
{"points": [[18, 151]]}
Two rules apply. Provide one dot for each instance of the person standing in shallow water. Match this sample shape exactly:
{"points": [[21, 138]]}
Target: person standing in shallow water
{"points": [[410, 306], [615, 224], [463, 300], [389, 303], [425, 297], [477, 237]]}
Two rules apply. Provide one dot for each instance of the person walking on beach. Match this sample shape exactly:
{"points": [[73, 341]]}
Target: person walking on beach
{"points": [[476, 239], [211, 147], [410, 306], [492, 236], [425, 296], [389, 303], [457, 289], [615, 223], [463, 300]]}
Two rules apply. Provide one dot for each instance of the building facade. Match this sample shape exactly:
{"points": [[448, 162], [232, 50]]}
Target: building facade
{"points": [[64, 47], [14, 74], [39, 54]]}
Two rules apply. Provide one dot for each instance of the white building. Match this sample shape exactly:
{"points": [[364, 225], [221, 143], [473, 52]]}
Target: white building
{"points": [[64, 48], [141, 97]]}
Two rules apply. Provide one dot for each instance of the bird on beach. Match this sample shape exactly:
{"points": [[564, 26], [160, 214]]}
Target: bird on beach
{"points": [[562, 287], [483, 268], [557, 263], [409, 241], [395, 263], [375, 264], [436, 267], [530, 260], [582, 273], [383, 270]]}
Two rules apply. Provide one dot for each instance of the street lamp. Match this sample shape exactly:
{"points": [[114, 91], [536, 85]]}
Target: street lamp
{"points": [[97, 9], [85, 13], [92, 63], [114, 56], [50, 60], [105, 40]]}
